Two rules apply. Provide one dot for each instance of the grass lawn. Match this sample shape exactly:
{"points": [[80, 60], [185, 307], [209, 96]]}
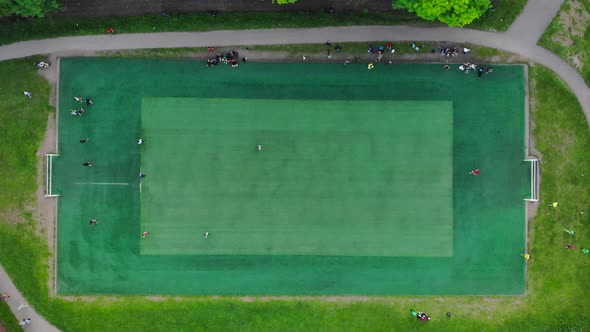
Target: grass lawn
{"points": [[557, 298], [7, 319], [501, 18], [569, 35], [27, 29]]}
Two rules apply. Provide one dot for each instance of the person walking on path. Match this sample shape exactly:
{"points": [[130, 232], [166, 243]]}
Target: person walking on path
{"points": [[25, 321], [569, 231], [16, 298], [4, 296]]}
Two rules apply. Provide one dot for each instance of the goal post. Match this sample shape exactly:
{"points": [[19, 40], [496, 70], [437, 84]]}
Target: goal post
{"points": [[534, 196], [49, 174]]}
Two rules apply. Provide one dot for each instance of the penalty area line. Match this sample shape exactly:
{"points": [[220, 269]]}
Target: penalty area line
{"points": [[104, 183]]}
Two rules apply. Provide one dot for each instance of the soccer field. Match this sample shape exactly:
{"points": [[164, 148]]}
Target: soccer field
{"points": [[361, 185], [333, 177]]}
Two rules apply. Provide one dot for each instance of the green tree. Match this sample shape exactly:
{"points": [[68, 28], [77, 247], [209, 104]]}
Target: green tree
{"points": [[27, 8], [452, 12]]}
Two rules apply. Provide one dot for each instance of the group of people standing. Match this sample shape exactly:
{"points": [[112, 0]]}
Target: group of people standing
{"points": [[81, 110], [228, 58]]}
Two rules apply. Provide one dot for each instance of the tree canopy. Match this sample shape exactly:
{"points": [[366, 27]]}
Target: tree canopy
{"points": [[27, 8], [451, 12]]}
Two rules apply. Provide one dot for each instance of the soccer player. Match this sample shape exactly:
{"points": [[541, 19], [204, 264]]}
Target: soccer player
{"points": [[206, 235], [142, 175], [78, 99], [140, 141], [89, 101], [93, 222], [145, 234], [474, 172], [87, 164], [85, 140], [526, 256], [259, 147]]}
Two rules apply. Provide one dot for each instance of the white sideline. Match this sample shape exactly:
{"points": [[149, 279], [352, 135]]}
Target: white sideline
{"points": [[104, 183]]}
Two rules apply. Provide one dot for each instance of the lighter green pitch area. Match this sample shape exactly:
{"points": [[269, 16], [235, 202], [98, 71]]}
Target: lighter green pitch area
{"points": [[348, 178]]}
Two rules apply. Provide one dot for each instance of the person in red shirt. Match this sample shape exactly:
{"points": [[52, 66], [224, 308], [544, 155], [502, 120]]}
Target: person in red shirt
{"points": [[145, 234], [570, 246], [474, 172], [110, 30]]}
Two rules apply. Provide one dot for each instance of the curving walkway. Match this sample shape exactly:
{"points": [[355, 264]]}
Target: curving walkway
{"points": [[521, 38], [16, 301]]}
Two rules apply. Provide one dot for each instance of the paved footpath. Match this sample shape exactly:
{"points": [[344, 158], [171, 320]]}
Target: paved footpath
{"points": [[521, 39], [38, 324]]}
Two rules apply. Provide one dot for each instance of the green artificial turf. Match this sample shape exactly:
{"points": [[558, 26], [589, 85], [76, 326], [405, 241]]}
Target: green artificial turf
{"points": [[344, 178], [556, 299], [488, 210]]}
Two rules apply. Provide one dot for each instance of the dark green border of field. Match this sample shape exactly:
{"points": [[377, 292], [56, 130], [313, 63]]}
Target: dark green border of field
{"points": [[487, 246]]}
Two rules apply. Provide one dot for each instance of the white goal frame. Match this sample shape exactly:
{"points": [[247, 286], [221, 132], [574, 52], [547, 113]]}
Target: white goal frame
{"points": [[534, 176], [49, 174]]}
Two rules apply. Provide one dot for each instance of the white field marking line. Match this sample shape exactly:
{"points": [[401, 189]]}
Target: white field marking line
{"points": [[104, 183]]}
